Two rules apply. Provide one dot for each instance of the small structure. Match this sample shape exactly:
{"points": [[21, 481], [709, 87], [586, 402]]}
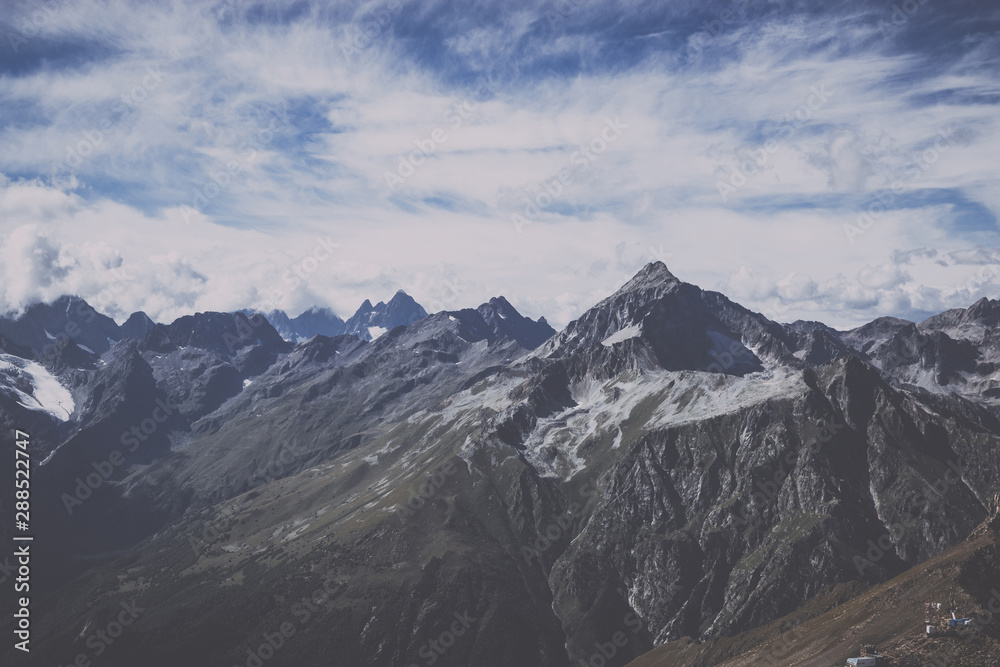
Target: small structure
{"points": [[870, 657], [933, 617], [937, 621]]}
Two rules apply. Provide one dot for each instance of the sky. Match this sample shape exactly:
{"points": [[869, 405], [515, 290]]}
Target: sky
{"points": [[811, 160]]}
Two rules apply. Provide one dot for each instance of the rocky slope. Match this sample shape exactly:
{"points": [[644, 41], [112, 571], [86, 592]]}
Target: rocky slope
{"points": [[836, 623], [669, 465]]}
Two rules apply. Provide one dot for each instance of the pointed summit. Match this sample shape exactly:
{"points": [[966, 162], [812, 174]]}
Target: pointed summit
{"points": [[370, 321], [654, 274], [506, 322], [67, 317], [402, 300], [985, 311]]}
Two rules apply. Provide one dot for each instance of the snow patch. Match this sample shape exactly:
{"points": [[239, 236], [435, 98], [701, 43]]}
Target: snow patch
{"points": [[375, 332], [554, 447], [622, 335], [295, 533], [45, 395]]}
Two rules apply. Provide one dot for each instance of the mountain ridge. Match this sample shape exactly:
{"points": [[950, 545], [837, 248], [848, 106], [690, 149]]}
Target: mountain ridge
{"points": [[670, 459]]}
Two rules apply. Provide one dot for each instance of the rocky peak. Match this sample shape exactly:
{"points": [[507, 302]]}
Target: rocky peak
{"points": [[66, 317], [312, 322], [984, 311], [136, 325], [507, 323], [400, 310], [225, 333], [657, 321], [652, 276]]}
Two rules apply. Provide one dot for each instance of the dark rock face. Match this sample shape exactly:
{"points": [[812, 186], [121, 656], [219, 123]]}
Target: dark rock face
{"points": [[670, 464], [66, 317], [877, 331], [41, 325], [657, 322], [202, 360], [136, 325], [64, 354], [955, 352], [401, 310], [498, 320], [8, 346]]}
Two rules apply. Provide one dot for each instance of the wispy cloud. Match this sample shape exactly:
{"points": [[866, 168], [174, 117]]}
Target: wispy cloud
{"points": [[222, 139]]}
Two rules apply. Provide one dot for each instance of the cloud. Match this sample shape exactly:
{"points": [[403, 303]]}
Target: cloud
{"points": [[206, 147], [976, 256]]}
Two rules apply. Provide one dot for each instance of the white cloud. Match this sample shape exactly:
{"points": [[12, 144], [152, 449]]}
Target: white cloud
{"points": [[144, 201]]}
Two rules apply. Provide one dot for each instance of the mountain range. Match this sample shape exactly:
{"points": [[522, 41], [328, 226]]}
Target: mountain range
{"points": [[670, 479], [367, 323]]}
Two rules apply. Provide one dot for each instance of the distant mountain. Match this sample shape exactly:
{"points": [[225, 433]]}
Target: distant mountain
{"points": [[370, 321], [498, 320], [954, 352], [312, 322], [136, 325], [40, 325], [367, 323], [202, 360], [66, 317]]}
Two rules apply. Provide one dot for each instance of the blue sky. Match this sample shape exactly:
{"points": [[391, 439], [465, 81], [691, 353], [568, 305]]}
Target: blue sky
{"points": [[832, 161]]}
